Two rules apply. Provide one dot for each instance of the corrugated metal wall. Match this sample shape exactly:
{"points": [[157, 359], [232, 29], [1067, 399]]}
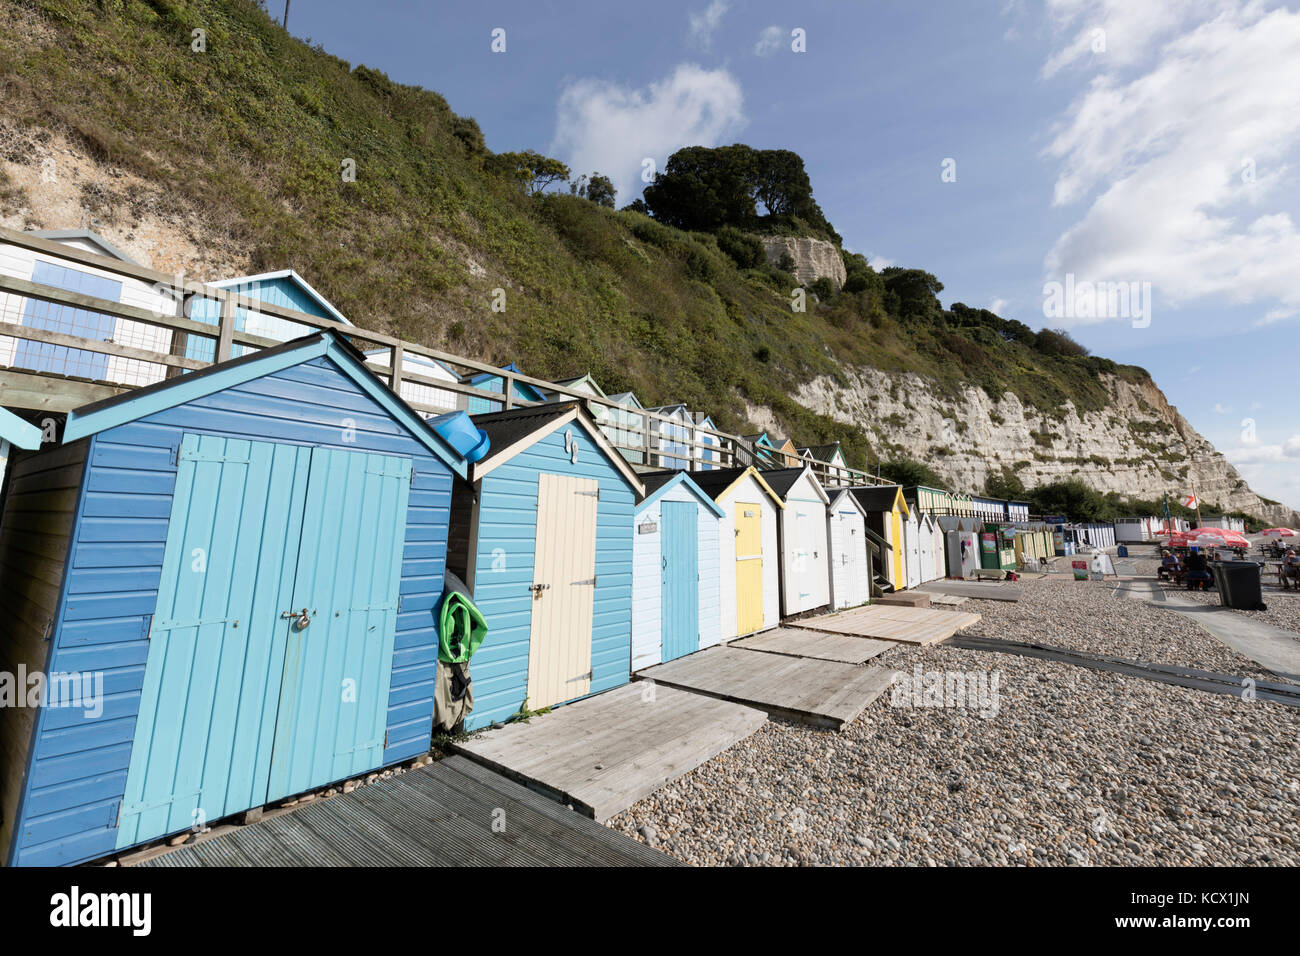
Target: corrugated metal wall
{"points": [[80, 764], [503, 571]]}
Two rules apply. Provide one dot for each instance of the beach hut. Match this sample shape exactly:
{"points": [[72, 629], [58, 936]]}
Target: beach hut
{"points": [[912, 548], [676, 590], [491, 382], [886, 511], [989, 509], [850, 553], [829, 461], [765, 455], [748, 548], [787, 454], [961, 545], [233, 574], [671, 437], [284, 288], [442, 400], [624, 425], [50, 269], [542, 536], [805, 550], [708, 446]]}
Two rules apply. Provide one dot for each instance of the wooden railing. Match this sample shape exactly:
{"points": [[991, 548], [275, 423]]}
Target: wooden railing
{"points": [[658, 441]]}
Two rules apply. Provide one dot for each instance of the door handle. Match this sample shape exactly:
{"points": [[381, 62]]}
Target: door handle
{"points": [[300, 621], [538, 588]]}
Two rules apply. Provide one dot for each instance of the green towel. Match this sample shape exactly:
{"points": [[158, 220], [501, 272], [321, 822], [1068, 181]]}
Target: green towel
{"points": [[461, 628]]}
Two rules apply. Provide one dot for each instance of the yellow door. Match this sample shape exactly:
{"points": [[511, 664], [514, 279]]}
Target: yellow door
{"points": [[564, 586], [749, 567], [899, 579]]}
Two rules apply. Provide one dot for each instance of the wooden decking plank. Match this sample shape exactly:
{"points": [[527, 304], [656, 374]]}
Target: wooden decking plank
{"points": [[823, 693], [439, 815], [985, 590], [628, 746], [848, 649], [905, 625]]}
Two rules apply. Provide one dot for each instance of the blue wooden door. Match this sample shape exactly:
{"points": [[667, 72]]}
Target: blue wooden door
{"points": [[238, 704], [680, 560], [334, 699], [202, 746]]}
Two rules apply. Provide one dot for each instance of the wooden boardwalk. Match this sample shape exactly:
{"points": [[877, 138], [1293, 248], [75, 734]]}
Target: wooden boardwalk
{"points": [[603, 754], [439, 815], [906, 625], [826, 647], [819, 692], [984, 590]]}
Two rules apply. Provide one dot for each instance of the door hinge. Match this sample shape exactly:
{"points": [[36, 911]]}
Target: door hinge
{"points": [[117, 816], [590, 494], [385, 740], [146, 627]]}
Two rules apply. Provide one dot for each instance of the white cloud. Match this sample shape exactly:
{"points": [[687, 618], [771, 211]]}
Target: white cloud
{"points": [[704, 24], [1118, 33], [604, 127], [1221, 409], [880, 263], [1185, 161], [997, 305], [769, 41], [1288, 450]]}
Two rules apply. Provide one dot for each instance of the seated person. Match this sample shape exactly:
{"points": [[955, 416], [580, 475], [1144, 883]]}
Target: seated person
{"points": [[1198, 571], [1291, 566], [1169, 565]]}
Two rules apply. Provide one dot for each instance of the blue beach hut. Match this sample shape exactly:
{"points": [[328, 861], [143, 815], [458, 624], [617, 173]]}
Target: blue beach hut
{"points": [[235, 571], [676, 598], [542, 536]]}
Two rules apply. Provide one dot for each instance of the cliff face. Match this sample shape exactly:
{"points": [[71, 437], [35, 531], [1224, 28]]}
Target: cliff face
{"points": [[813, 258], [1139, 445]]}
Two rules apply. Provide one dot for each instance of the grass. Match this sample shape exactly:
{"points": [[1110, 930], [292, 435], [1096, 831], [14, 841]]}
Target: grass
{"points": [[249, 137]]}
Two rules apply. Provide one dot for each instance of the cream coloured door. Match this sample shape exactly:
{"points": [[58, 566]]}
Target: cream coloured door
{"points": [[564, 586]]}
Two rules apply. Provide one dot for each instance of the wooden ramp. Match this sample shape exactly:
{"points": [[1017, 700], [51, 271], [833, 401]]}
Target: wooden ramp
{"points": [[826, 647], [906, 625], [819, 692], [449, 813], [603, 754], [984, 590]]}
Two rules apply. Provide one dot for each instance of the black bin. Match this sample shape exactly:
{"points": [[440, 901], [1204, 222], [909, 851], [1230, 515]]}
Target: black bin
{"points": [[1239, 584]]}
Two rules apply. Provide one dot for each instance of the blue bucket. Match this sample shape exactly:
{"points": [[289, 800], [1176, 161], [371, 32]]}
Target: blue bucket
{"points": [[459, 432]]}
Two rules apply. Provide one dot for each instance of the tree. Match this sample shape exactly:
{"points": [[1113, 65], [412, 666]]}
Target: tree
{"points": [[1007, 485], [1059, 342], [780, 183], [532, 171], [912, 293], [599, 189], [702, 189], [905, 471], [636, 205]]}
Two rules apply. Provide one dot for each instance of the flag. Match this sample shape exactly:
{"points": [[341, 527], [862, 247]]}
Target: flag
{"points": [[1190, 501]]}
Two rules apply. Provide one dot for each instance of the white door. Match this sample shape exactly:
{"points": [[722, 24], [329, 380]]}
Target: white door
{"points": [[564, 586]]}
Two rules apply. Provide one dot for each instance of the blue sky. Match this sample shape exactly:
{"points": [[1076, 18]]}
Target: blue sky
{"points": [[1154, 143]]}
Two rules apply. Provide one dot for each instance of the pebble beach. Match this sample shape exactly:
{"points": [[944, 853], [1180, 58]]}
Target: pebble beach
{"points": [[1076, 767]]}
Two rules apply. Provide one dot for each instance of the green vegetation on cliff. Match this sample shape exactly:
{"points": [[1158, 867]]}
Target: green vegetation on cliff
{"points": [[248, 137]]}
